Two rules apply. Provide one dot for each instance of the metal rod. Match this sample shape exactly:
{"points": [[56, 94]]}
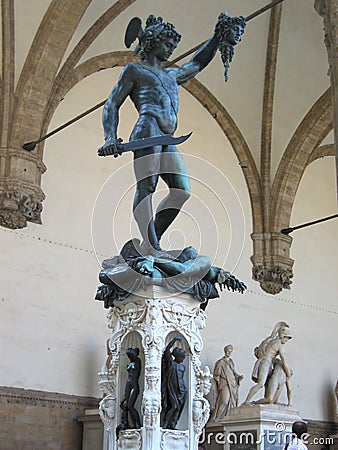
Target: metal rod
{"points": [[262, 10], [291, 229], [30, 146]]}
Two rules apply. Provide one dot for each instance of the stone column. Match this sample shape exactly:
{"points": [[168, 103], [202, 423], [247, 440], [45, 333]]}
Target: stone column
{"points": [[328, 9], [149, 321], [21, 196]]}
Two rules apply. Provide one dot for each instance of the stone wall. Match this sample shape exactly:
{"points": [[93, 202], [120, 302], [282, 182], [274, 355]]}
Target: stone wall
{"points": [[321, 434], [32, 420]]}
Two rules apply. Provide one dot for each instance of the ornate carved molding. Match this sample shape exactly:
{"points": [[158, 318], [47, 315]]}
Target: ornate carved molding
{"points": [[19, 202], [272, 269], [174, 440]]}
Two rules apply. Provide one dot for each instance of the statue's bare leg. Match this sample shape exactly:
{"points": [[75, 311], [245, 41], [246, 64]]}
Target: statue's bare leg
{"points": [[263, 373], [253, 391], [277, 394], [134, 415], [146, 168], [174, 174]]}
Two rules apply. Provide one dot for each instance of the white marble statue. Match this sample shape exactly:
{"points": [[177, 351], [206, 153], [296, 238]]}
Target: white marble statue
{"points": [[226, 382], [263, 372], [275, 384]]}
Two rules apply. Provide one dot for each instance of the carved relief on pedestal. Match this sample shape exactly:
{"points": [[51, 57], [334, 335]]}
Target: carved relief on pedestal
{"points": [[151, 402], [174, 440], [130, 440], [201, 407], [107, 410], [107, 383]]}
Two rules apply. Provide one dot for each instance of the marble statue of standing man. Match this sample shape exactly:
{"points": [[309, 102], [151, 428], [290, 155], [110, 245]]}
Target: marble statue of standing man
{"points": [[225, 387]]}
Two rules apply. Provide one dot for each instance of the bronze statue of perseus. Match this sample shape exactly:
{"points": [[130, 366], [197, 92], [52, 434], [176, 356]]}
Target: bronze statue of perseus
{"points": [[154, 91]]}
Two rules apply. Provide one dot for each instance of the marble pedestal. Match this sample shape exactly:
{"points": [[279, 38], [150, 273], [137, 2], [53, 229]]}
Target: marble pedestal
{"points": [[150, 321], [251, 427]]}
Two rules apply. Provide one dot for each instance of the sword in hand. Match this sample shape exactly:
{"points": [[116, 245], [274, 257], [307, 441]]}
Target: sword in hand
{"points": [[116, 147], [112, 147]]}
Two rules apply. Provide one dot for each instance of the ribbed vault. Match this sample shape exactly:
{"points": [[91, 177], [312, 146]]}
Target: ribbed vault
{"points": [[26, 114]]}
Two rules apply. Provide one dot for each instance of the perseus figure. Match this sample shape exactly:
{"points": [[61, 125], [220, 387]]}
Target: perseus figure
{"points": [[154, 91]]}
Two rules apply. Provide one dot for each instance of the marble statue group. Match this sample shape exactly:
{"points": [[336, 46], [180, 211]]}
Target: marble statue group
{"points": [[271, 372]]}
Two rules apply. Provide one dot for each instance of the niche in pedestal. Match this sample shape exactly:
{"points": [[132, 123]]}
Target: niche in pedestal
{"points": [[175, 383]]}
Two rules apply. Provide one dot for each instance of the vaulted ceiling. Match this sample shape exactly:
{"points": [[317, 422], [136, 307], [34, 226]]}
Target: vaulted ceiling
{"points": [[276, 109]]}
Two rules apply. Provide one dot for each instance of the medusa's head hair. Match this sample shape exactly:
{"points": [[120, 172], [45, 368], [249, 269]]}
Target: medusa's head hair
{"points": [[223, 27], [225, 23]]}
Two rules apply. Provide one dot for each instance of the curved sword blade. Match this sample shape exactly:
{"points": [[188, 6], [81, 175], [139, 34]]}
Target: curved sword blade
{"points": [[165, 139]]}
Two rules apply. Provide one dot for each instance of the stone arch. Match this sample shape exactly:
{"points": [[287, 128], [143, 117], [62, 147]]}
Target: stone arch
{"points": [[321, 152], [39, 71], [315, 126]]}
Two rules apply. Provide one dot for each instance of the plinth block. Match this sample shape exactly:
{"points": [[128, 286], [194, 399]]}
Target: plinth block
{"points": [[251, 427]]}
